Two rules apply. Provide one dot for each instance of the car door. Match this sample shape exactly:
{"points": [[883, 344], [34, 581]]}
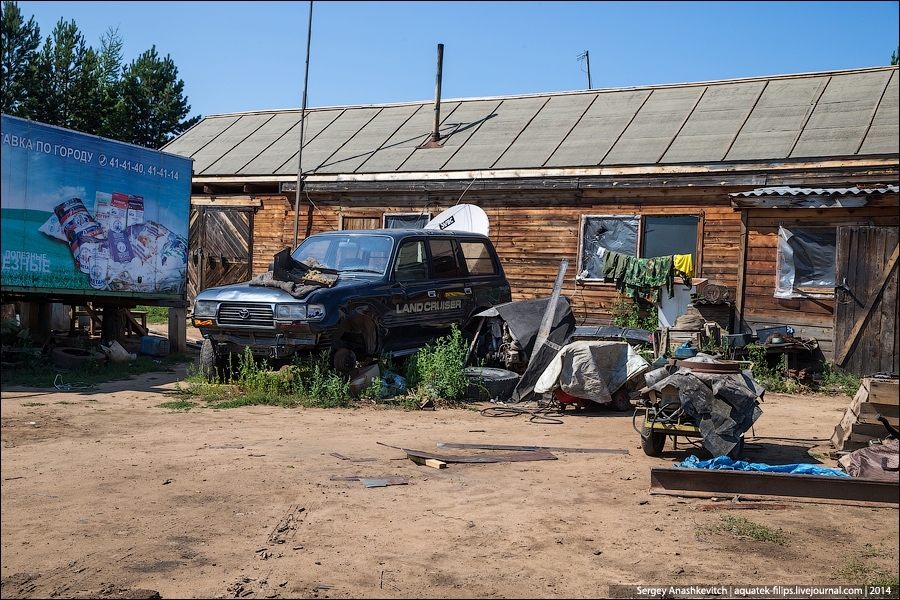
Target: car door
{"points": [[450, 293], [407, 321]]}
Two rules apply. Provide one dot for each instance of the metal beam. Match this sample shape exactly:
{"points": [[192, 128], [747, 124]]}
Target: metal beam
{"points": [[753, 485]]}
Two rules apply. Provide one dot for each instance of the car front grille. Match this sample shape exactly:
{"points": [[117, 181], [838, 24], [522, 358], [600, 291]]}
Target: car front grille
{"points": [[247, 315]]}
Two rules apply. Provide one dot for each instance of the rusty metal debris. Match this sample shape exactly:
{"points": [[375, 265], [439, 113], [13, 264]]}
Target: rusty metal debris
{"points": [[532, 448], [703, 483], [373, 481], [342, 457]]}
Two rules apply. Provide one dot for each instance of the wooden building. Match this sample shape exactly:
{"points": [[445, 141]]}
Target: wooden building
{"points": [[652, 170]]}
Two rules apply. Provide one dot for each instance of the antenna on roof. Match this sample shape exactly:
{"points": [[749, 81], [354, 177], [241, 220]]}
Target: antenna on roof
{"points": [[302, 119], [586, 57]]}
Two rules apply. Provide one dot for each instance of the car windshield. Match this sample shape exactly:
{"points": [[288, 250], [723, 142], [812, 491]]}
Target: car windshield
{"points": [[353, 252]]}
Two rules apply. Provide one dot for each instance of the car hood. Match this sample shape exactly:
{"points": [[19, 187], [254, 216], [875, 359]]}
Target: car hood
{"points": [[244, 292]]}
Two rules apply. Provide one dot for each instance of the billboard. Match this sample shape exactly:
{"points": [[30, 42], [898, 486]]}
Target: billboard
{"points": [[90, 216]]}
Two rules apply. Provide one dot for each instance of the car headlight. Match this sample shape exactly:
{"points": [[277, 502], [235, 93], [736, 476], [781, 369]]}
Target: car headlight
{"points": [[205, 308], [290, 311]]}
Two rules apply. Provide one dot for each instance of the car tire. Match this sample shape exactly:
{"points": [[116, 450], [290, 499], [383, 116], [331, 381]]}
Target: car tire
{"points": [[71, 358], [344, 360], [487, 383], [212, 367]]}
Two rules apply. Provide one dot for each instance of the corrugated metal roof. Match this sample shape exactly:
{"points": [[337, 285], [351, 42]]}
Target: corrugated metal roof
{"points": [[817, 115], [794, 191]]}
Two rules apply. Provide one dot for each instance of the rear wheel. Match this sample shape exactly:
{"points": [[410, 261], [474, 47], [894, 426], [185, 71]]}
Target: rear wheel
{"points": [[621, 401], [652, 442], [344, 360]]}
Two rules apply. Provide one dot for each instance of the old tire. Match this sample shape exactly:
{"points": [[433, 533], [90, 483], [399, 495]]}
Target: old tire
{"points": [[71, 358], [652, 442], [487, 383], [621, 401], [344, 360]]}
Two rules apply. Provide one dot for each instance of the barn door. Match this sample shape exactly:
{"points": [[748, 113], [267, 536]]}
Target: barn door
{"points": [[865, 300], [220, 247]]}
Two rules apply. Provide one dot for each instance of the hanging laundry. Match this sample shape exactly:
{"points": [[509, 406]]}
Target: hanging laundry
{"points": [[644, 277], [683, 264], [614, 265]]}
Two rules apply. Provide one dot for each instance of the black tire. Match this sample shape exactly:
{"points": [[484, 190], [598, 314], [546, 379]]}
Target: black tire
{"points": [[652, 442], [213, 367], [737, 452], [487, 383], [621, 401], [72, 358], [344, 360]]}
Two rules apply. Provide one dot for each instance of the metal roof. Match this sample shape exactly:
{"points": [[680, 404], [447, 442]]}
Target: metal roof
{"points": [[849, 113], [794, 191]]}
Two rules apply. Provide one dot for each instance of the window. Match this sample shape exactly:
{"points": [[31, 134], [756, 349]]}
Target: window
{"points": [[805, 262], [655, 235], [444, 259], [411, 262], [478, 258], [406, 220]]}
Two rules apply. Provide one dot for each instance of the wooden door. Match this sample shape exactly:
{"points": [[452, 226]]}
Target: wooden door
{"points": [[220, 247], [360, 222], [865, 301]]}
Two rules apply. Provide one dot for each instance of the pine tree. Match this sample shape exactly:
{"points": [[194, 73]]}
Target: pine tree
{"points": [[153, 106], [20, 42]]}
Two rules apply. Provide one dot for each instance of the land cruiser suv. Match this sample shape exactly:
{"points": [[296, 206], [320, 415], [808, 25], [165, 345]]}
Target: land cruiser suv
{"points": [[356, 294]]}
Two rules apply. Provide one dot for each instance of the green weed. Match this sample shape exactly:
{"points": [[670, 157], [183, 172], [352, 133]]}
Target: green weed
{"points": [[438, 367], [741, 527], [626, 312], [838, 380], [156, 315], [177, 405], [34, 404]]}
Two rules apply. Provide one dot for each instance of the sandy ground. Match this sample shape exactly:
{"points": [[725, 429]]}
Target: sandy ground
{"points": [[104, 494]]}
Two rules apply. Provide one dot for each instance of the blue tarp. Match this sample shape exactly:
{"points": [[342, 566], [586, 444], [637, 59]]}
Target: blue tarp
{"points": [[723, 463]]}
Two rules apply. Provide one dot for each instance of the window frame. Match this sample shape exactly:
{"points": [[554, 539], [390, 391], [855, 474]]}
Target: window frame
{"points": [[639, 240]]}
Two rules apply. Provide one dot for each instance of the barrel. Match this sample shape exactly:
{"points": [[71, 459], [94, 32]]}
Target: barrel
{"points": [[154, 345]]}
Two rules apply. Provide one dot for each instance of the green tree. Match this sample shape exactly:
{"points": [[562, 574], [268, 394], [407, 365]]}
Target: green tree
{"points": [[895, 55], [153, 108], [20, 42], [65, 90], [109, 83]]}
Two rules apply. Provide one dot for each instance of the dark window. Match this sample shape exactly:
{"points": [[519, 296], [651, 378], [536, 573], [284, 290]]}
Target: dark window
{"points": [[478, 258], [805, 262], [446, 261]]}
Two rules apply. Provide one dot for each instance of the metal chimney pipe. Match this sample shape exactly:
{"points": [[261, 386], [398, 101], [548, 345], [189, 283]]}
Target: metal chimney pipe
{"points": [[435, 132]]}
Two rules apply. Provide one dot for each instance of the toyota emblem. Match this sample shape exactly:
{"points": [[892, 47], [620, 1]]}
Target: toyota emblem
{"points": [[244, 313]]}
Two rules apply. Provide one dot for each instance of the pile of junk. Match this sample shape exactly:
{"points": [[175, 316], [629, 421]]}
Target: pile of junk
{"points": [[553, 363]]}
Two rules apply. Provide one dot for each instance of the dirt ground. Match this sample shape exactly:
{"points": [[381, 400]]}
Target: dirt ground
{"points": [[104, 494]]}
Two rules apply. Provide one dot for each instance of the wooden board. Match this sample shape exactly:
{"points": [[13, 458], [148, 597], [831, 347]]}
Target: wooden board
{"points": [[869, 411], [884, 391]]}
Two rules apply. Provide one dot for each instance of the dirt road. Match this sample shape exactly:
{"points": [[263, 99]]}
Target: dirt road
{"points": [[106, 495]]}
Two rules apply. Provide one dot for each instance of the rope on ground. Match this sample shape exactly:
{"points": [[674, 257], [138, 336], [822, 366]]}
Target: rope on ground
{"points": [[68, 387], [538, 415]]}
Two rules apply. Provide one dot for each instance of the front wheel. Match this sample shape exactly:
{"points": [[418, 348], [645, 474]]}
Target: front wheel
{"points": [[652, 442], [211, 366]]}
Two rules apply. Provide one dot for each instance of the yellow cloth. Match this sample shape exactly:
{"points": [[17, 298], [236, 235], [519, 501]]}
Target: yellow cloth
{"points": [[684, 263]]}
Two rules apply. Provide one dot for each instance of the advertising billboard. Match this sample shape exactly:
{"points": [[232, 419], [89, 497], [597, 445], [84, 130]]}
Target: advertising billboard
{"points": [[88, 216]]}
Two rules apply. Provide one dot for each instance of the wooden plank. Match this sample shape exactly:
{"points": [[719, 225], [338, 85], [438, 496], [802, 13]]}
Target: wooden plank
{"points": [[842, 430], [873, 430], [884, 391], [868, 413], [427, 462]]}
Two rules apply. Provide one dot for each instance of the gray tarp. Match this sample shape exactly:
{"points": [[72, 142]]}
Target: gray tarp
{"points": [[591, 370], [724, 405]]}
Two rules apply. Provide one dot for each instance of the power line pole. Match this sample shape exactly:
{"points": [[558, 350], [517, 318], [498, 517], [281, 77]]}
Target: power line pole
{"points": [[302, 119], [587, 59]]}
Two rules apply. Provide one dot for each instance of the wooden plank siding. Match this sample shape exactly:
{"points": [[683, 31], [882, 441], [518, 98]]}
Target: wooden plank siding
{"points": [[532, 231], [811, 318]]}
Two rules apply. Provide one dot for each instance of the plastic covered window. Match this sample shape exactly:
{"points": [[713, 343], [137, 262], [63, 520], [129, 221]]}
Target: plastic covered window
{"points": [[805, 262]]}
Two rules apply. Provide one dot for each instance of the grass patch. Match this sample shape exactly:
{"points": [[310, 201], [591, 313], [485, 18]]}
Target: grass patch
{"points": [[309, 381], [34, 404], [64, 402], [742, 527], [41, 373], [156, 315], [177, 405], [859, 569]]}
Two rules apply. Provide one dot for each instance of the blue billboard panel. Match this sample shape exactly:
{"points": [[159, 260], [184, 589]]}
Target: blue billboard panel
{"points": [[84, 213]]}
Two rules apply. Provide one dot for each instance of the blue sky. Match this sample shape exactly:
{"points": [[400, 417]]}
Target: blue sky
{"points": [[245, 56]]}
